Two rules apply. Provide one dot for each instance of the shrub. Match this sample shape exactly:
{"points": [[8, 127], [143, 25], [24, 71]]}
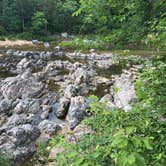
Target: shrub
{"points": [[2, 38], [3, 160], [2, 30]]}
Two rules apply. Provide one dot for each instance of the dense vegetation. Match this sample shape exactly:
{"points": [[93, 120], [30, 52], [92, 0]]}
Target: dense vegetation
{"points": [[119, 22]]}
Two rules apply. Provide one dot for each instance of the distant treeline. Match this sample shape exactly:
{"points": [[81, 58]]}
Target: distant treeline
{"points": [[127, 20]]}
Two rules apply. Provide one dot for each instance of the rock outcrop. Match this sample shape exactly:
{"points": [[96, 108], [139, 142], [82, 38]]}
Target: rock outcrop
{"points": [[41, 92]]}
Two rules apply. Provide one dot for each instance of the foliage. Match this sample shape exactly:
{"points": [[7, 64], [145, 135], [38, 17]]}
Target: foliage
{"points": [[124, 139], [128, 21], [2, 38], [151, 86], [82, 44], [40, 157], [3, 160], [39, 23], [16, 16], [119, 22]]}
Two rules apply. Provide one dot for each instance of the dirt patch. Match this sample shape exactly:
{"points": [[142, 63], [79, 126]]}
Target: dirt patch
{"points": [[9, 43]]}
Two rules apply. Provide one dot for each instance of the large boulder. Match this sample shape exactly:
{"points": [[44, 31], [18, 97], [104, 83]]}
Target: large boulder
{"points": [[123, 91], [76, 111], [62, 107], [70, 91], [23, 65], [18, 142], [22, 86], [5, 106], [48, 127], [80, 75], [27, 106]]}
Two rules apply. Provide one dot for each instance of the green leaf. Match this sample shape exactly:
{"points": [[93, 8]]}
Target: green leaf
{"points": [[140, 161], [119, 142], [131, 159], [147, 143]]}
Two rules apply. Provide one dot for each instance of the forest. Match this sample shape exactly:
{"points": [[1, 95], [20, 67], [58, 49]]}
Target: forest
{"points": [[82, 82], [120, 22]]}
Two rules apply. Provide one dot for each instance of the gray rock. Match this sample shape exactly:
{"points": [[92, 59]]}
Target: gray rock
{"points": [[62, 107], [27, 106], [82, 75], [36, 42], [70, 91], [108, 99], [23, 65], [76, 111], [18, 142], [5, 106], [125, 93], [48, 127], [64, 34], [23, 86], [46, 44], [57, 48]]}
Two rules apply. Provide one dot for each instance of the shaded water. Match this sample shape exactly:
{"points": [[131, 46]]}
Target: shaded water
{"points": [[4, 73], [52, 86], [100, 91], [113, 70]]}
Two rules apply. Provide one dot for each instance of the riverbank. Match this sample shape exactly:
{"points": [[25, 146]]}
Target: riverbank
{"points": [[11, 43]]}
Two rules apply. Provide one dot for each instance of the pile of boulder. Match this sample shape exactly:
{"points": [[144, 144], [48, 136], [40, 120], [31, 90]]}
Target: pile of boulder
{"points": [[30, 111]]}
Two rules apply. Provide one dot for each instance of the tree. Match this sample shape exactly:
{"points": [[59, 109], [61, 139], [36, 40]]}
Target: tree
{"points": [[39, 23], [25, 10]]}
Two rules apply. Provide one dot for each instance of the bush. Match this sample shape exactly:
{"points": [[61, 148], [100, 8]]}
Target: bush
{"points": [[4, 161], [2, 30], [85, 43], [24, 36], [41, 155], [2, 38]]}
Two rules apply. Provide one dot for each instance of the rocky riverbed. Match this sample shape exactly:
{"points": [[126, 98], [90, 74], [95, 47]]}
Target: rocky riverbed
{"points": [[41, 92]]}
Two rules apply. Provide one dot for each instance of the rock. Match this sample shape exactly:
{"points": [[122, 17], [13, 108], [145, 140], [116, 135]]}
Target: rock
{"points": [[46, 44], [36, 42], [15, 120], [22, 135], [125, 93], [27, 106], [54, 152], [76, 111], [5, 106], [18, 142], [62, 107], [92, 50], [23, 86], [92, 56], [9, 52], [81, 75], [78, 131], [52, 68], [23, 65], [70, 91], [104, 64], [57, 48], [108, 98], [64, 34], [48, 127], [49, 98], [44, 115]]}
